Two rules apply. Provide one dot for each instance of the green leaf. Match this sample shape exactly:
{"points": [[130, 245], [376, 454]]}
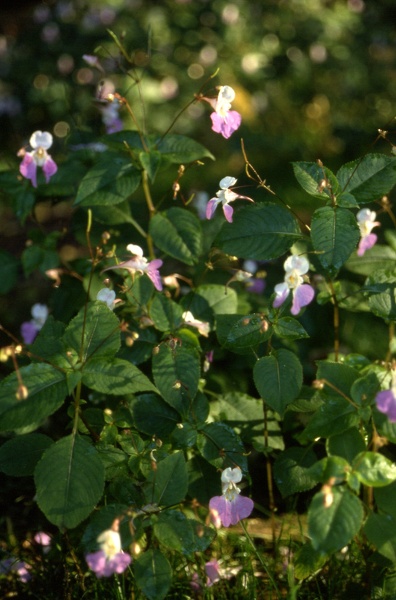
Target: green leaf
{"points": [[210, 300], [203, 479], [153, 574], [374, 469], [337, 377], [259, 231], [49, 345], [242, 334], [177, 533], [116, 377], [311, 177], [333, 468], [368, 178], [8, 271], [19, 456], [289, 329], [69, 481], [168, 483], [346, 444], [47, 390], [383, 303], [308, 561], [377, 258], [177, 232], [176, 372], [278, 379], [333, 417], [291, 472], [380, 531], [101, 332], [151, 162], [245, 415], [334, 234], [180, 149], [154, 416], [221, 446], [334, 519], [385, 499], [110, 181], [166, 314]]}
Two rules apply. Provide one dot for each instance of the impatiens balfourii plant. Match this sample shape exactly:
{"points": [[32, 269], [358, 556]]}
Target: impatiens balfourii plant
{"points": [[154, 377]]}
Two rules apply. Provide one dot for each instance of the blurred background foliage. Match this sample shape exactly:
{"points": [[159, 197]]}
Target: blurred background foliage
{"points": [[314, 79]]}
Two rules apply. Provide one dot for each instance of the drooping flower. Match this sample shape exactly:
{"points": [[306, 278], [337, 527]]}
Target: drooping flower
{"points": [[202, 326], [295, 267], [366, 221], [229, 508], [40, 141], [44, 540], [386, 401], [111, 117], [29, 329], [224, 196], [138, 263], [212, 570], [110, 558], [224, 120], [107, 296]]}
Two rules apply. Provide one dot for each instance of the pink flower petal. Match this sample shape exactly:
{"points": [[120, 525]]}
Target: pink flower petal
{"points": [[282, 291], [49, 168], [28, 168], [366, 243], [230, 513], [211, 207], [302, 295], [386, 403], [228, 212], [154, 274], [226, 125]]}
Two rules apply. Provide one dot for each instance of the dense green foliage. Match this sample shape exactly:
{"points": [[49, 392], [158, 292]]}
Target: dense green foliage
{"points": [[124, 413]]}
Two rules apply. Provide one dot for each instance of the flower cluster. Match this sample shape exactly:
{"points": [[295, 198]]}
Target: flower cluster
{"points": [[229, 508], [110, 558], [224, 120], [295, 267], [29, 329], [40, 141], [224, 196], [139, 264], [366, 221]]}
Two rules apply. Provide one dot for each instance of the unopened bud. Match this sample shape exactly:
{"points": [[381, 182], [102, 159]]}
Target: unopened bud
{"points": [[22, 392], [177, 385], [318, 384]]}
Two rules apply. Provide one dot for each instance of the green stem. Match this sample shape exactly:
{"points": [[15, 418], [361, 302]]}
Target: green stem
{"points": [[77, 399], [336, 322], [151, 207], [260, 559]]}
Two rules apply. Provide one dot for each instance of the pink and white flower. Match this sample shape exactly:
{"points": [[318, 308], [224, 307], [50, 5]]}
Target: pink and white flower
{"points": [[110, 558], [224, 196], [202, 326], [108, 297], [30, 329], [229, 508], [366, 221], [224, 120], [40, 141], [295, 267], [386, 400], [139, 264]]}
